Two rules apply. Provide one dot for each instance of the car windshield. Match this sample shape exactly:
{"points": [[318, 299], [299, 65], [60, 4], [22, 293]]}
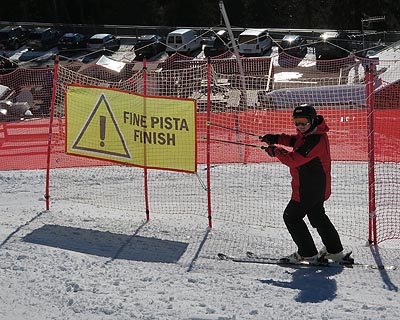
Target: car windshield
{"points": [[142, 43], [219, 42], [247, 39], [288, 44], [35, 36], [67, 40], [3, 35], [95, 41]]}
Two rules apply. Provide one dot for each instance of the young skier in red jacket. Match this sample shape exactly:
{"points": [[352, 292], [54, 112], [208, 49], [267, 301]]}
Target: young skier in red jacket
{"points": [[310, 168]]}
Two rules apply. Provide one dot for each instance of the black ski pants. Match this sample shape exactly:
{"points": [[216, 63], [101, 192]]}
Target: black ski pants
{"points": [[294, 219]]}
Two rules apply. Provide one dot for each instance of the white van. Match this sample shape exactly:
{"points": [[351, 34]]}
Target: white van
{"points": [[254, 42], [183, 41]]}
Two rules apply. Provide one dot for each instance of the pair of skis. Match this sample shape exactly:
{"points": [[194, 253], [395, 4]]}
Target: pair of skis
{"points": [[251, 257]]}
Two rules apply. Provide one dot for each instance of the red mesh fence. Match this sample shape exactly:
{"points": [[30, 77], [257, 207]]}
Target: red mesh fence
{"points": [[259, 103]]}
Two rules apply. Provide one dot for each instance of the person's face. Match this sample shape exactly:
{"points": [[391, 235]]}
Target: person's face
{"points": [[303, 124]]}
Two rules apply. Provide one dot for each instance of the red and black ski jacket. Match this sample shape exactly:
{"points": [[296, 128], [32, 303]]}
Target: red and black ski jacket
{"points": [[309, 163]]}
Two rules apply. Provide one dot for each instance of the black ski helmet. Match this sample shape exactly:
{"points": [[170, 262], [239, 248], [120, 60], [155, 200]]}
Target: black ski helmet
{"points": [[305, 111]]}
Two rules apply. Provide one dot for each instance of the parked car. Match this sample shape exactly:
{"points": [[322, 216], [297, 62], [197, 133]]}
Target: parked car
{"points": [[7, 65], [333, 45], [148, 46], [72, 42], [184, 41], [292, 49], [13, 37], [41, 38], [103, 41], [218, 44], [254, 42], [293, 45]]}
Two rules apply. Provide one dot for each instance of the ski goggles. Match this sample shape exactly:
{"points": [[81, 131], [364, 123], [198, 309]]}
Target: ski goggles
{"points": [[301, 122]]}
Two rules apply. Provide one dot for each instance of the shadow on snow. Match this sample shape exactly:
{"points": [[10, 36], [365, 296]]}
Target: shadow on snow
{"points": [[315, 285], [107, 244]]}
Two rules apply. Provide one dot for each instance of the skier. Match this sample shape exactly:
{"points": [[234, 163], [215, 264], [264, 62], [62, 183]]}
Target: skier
{"points": [[310, 168]]}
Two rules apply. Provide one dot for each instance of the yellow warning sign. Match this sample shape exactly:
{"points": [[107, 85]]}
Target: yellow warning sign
{"points": [[96, 127], [152, 132]]}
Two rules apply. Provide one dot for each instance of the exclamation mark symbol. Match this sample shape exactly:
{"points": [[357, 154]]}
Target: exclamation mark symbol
{"points": [[102, 130]]}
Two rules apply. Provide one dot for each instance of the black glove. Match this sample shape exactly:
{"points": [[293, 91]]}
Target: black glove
{"points": [[270, 150], [270, 138]]}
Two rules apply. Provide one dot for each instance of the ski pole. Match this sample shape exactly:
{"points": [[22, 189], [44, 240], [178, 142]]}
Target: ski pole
{"points": [[208, 123], [233, 142]]}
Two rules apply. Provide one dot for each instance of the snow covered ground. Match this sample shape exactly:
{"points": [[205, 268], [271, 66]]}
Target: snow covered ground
{"points": [[87, 262]]}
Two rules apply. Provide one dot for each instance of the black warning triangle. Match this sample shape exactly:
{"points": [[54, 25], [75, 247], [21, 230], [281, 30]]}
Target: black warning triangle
{"points": [[94, 130]]}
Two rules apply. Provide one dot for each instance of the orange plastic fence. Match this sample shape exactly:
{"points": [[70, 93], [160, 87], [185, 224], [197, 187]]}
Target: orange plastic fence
{"points": [[23, 144]]}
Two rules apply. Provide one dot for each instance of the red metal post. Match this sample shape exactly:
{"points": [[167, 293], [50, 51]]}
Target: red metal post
{"points": [[369, 77], [53, 99], [146, 187], [208, 142]]}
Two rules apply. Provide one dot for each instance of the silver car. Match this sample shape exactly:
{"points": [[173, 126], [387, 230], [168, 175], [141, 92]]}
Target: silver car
{"points": [[103, 41]]}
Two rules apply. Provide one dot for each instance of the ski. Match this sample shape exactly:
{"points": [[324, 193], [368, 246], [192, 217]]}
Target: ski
{"points": [[269, 260], [254, 258], [252, 255], [322, 263]]}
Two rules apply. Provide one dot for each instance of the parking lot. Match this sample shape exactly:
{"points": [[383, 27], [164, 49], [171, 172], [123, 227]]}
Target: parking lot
{"points": [[27, 58]]}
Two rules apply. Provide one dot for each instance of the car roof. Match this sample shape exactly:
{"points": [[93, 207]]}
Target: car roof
{"points": [[181, 31], [147, 37], [330, 34], [40, 29], [9, 28], [290, 37], [254, 32], [100, 35], [69, 35], [222, 32]]}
